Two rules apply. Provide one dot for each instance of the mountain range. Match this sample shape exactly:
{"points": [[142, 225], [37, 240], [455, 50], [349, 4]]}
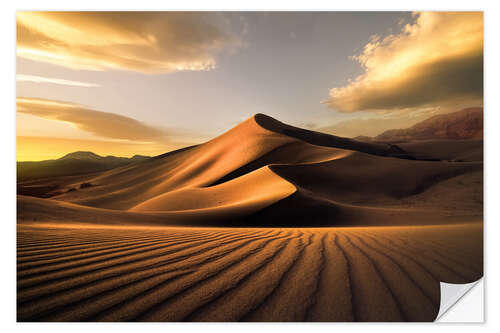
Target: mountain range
{"points": [[465, 124], [72, 164], [79, 162]]}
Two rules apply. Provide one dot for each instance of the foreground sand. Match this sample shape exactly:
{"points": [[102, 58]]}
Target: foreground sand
{"points": [[99, 273], [228, 231]]}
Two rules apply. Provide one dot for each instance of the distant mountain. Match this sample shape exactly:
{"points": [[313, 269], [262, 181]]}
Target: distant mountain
{"points": [[462, 125], [83, 155], [267, 173], [80, 162]]}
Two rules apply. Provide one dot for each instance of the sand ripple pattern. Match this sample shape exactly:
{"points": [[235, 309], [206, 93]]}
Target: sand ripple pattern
{"points": [[235, 274]]}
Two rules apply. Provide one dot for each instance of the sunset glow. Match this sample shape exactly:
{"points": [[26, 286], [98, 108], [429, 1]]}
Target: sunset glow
{"points": [[155, 81]]}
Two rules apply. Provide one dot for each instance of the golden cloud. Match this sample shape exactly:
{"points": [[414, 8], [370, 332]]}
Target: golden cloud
{"points": [[149, 42], [42, 79], [435, 60], [103, 124]]}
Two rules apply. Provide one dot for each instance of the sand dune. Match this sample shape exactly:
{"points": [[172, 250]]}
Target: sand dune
{"points": [[229, 231], [259, 188], [158, 274], [451, 150], [263, 169]]}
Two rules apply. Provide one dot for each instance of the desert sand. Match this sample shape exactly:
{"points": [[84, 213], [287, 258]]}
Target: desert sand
{"points": [[266, 222], [202, 274]]}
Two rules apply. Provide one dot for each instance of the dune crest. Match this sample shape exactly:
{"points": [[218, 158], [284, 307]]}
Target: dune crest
{"points": [[264, 172]]}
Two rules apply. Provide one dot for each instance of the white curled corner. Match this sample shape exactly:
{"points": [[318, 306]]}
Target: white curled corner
{"points": [[451, 294]]}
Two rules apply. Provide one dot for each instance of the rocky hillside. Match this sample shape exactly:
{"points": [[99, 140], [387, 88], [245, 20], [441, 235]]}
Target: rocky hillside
{"points": [[461, 125]]}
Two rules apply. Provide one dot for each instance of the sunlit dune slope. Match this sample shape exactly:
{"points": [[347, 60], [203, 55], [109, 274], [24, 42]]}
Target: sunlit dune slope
{"points": [[258, 188], [264, 172], [247, 147], [196, 167]]}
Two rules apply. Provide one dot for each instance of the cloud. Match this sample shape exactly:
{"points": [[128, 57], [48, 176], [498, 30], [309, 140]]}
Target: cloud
{"points": [[148, 42], [41, 79], [103, 124], [244, 22], [437, 59]]}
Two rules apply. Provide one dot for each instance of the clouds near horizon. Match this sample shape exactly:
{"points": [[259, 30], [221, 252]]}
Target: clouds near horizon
{"points": [[147, 42], [437, 60], [42, 79], [102, 124]]}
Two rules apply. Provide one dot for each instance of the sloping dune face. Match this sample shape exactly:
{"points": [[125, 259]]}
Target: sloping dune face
{"points": [[257, 189], [196, 167], [228, 172], [264, 172]]}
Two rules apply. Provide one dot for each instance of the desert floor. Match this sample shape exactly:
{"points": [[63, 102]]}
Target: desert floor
{"points": [[266, 222], [109, 273]]}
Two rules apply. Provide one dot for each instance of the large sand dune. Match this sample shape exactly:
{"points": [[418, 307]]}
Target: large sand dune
{"points": [[263, 168], [229, 231]]}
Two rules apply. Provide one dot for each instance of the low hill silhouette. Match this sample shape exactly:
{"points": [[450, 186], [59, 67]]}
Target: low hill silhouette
{"points": [[76, 163]]}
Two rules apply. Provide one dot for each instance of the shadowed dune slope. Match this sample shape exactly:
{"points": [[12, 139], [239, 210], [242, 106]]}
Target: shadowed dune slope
{"points": [[264, 172], [328, 140], [451, 150]]}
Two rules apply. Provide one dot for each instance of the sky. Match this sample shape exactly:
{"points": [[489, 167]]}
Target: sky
{"points": [[126, 83]]}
